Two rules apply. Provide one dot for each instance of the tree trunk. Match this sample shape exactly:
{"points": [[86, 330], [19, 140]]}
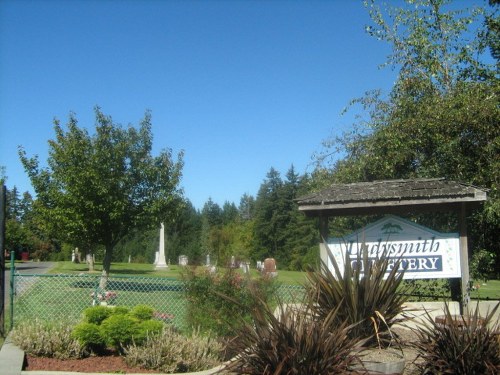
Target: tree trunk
{"points": [[106, 267], [90, 261]]}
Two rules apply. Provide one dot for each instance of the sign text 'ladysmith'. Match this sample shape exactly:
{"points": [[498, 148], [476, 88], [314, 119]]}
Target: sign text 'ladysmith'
{"points": [[424, 253]]}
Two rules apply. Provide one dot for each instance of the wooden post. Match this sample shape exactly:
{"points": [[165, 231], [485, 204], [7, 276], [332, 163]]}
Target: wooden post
{"points": [[3, 204], [323, 233], [464, 261]]}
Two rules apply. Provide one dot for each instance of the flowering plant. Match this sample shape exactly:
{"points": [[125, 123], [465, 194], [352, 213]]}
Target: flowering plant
{"points": [[103, 297], [166, 317]]}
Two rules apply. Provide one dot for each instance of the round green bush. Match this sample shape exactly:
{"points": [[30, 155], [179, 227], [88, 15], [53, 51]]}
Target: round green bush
{"points": [[89, 336], [142, 312], [119, 330], [96, 314], [118, 310]]}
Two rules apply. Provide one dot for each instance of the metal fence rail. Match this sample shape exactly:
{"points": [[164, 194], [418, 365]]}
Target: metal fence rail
{"points": [[64, 297]]}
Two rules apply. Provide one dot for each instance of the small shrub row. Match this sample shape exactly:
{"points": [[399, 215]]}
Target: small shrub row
{"points": [[116, 327], [144, 341]]}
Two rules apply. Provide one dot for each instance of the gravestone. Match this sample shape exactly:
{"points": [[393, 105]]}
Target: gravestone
{"points": [[270, 267], [183, 260], [245, 266]]}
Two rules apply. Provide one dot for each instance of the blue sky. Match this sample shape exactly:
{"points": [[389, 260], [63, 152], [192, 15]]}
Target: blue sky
{"points": [[240, 86]]}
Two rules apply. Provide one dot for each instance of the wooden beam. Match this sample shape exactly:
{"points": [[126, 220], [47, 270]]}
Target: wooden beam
{"points": [[464, 261], [323, 234]]}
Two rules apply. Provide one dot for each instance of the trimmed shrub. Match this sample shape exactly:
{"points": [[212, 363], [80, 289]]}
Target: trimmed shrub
{"points": [[171, 352], [142, 312], [119, 310], [44, 339], [89, 336], [96, 314], [119, 330]]}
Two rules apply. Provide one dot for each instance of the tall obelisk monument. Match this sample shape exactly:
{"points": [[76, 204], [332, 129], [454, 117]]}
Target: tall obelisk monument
{"points": [[161, 257]]}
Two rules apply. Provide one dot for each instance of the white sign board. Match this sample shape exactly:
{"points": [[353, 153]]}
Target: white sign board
{"points": [[424, 253]]}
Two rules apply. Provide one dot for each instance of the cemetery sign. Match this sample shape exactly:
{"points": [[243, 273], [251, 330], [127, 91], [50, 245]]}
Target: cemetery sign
{"points": [[424, 253]]}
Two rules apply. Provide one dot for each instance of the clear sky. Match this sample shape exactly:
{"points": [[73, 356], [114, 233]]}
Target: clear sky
{"points": [[240, 86]]}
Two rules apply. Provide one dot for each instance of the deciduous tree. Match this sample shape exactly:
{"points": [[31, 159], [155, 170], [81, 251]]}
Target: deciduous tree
{"points": [[96, 188]]}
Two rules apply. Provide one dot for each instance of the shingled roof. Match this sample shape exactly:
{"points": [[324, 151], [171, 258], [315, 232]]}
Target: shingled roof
{"points": [[390, 196]]}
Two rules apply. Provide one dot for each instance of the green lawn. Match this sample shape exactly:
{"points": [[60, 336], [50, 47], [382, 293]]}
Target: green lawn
{"points": [[131, 269], [489, 290], [174, 271]]}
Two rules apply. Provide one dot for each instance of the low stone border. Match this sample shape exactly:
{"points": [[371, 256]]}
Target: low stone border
{"points": [[11, 358]]}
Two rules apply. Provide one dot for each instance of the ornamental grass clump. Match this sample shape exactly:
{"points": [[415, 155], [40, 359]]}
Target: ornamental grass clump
{"points": [[293, 342], [369, 295], [461, 346], [47, 339]]}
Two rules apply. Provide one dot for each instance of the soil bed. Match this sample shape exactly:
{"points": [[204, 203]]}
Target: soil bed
{"points": [[116, 364], [110, 363]]}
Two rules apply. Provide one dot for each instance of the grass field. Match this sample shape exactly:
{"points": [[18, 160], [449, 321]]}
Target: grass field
{"points": [[65, 296], [174, 271], [66, 291], [490, 290]]}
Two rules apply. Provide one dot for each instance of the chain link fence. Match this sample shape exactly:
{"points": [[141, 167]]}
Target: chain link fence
{"points": [[64, 297]]}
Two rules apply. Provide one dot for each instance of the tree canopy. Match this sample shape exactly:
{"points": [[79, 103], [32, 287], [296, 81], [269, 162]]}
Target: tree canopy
{"points": [[441, 117], [97, 188]]}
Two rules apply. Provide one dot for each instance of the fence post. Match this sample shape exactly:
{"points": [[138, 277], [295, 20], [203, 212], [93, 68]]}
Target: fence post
{"points": [[3, 203], [12, 286]]}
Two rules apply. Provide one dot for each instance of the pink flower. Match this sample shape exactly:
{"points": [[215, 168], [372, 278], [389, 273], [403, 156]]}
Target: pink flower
{"points": [[166, 317]]}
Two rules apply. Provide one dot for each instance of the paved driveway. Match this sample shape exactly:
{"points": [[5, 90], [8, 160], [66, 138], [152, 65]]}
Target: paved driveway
{"points": [[25, 268]]}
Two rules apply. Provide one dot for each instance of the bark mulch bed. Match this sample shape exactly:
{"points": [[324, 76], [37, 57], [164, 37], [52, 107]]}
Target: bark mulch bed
{"points": [[108, 363], [115, 364]]}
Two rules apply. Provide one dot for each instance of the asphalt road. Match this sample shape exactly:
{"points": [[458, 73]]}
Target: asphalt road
{"points": [[26, 268]]}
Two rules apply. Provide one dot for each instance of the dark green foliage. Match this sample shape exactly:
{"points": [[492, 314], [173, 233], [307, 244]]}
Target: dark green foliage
{"points": [[142, 312], [208, 310], [482, 265], [89, 336], [440, 119], [428, 289], [371, 299], [97, 188], [117, 326], [280, 230], [119, 310], [292, 342], [96, 314], [469, 348], [119, 330]]}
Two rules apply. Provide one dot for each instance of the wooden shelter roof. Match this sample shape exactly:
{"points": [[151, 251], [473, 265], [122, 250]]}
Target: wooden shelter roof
{"points": [[391, 196]]}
